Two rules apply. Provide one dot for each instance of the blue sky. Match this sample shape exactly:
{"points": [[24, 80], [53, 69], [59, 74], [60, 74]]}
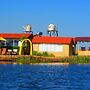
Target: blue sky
{"points": [[72, 17]]}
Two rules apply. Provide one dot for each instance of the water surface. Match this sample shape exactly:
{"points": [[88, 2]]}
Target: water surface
{"points": [[44, 77]]}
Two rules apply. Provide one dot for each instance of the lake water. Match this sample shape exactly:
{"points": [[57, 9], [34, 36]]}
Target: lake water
{"points": [[44, 77]]}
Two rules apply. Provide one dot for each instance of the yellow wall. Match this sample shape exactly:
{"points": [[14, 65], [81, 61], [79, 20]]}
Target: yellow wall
{"points": [[35, 47], [67, 50], [83, 53]]}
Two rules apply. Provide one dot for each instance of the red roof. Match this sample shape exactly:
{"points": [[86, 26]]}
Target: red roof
{"points": [[82, 39], [14, 35], [52, 40]]}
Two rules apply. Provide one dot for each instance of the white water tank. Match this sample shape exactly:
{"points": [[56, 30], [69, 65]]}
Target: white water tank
{"points": [[27, 28], [51, 27]]}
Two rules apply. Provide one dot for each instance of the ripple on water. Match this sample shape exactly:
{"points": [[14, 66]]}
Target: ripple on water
{"points": [[44, 77]]}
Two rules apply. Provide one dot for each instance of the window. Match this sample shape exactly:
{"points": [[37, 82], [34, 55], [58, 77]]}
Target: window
{"points": [[16, 42], [10, 42], [50, 47]]}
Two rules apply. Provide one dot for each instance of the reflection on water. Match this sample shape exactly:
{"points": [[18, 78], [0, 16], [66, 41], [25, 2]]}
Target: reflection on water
{"points": [[44, 77]]}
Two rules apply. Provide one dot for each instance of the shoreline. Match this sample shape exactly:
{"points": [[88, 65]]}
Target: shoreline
{"points": [[27, 59], [65, 64], [45, 64]]}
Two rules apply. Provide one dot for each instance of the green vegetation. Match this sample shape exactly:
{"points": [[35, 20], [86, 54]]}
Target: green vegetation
{"points": [[45, 54], [37, 58], [30, 60], [76, 60], [41, 59], [14, 47], [79, 60]]}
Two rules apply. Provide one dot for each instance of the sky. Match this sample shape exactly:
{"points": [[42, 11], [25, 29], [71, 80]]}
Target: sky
{"points": [[71, 17]]}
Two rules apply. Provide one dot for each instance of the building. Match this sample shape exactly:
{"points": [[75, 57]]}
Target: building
{"points": [[58, 46], [14, 38], [83, 46], [12, 42]]}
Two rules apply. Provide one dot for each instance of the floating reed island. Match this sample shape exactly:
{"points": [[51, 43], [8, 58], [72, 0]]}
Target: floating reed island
{"points": [[27, 59]]}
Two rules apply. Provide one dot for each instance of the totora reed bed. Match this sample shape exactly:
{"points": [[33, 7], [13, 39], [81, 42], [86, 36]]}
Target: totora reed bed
{"points": [[27, 59]]}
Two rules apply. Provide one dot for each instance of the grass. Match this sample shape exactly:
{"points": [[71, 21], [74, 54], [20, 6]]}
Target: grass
{"points": [[45, 54], [40, 59], [30, 60], [76, 60]]}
